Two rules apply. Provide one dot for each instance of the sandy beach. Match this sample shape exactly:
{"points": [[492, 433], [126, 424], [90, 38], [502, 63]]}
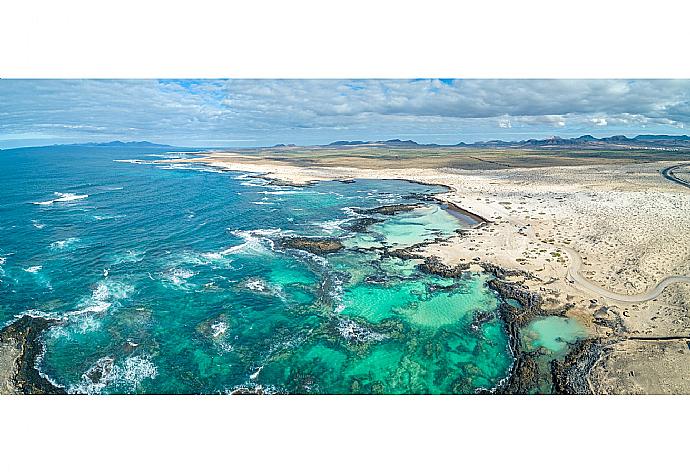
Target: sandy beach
{"points": [[609, 242]]}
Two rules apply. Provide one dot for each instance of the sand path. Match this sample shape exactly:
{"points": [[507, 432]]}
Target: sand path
{"points": [[582, 282]]}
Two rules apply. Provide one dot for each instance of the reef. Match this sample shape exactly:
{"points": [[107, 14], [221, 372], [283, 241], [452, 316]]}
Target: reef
{"points": [[361, 225], [313, 245], [23, 338], [390, 209]]}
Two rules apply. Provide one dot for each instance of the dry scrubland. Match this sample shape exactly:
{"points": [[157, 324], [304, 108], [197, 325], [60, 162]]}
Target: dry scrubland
{"points": [[549, 209]]}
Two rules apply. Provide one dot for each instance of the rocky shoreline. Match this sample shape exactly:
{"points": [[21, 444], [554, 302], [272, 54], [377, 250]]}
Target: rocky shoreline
{"points": [[568, 375], [22, 339]]}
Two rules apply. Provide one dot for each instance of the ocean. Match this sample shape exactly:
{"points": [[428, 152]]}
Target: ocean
{"points": [[176, 279]]}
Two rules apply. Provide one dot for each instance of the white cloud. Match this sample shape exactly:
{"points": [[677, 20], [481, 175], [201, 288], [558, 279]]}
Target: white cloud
{"points": [[271, 111]]}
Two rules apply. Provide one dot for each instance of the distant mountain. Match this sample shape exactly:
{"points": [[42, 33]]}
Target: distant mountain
{"points": [[390, 142], [586, 141], [125, 144]]}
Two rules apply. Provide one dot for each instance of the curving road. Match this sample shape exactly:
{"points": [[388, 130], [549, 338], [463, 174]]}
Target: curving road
{"points": [[668, 174], [582, 282]]}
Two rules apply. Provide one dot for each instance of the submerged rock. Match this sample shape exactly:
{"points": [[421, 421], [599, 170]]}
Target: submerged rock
{"points": [[390, 209], [361, 224], [433, 265], [313, 245]]}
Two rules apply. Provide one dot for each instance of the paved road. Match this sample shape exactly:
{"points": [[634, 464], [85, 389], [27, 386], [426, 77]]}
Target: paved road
{"points": [[574, 275], [668, 173]]}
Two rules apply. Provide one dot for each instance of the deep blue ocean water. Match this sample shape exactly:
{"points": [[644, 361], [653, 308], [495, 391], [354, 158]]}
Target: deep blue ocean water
{"points": [[168, 278]]}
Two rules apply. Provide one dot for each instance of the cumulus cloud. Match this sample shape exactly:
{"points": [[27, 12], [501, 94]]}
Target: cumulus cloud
{"points": [[303, 111]]}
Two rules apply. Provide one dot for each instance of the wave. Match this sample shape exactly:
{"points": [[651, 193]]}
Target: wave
{"points": [[38, 225], [131, 256], [64, 244], [331, 226], [135, 161], [258, 285], [352, 331], [102, 298], [179, 276], [33, 269], [255, 241], [280, 192], [106, 373], [218, 328], [63, 198], [40, 314], [107, 217]]}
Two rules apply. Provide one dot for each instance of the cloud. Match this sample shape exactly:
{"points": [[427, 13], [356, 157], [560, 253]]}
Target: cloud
{"points": [[307, 111]]}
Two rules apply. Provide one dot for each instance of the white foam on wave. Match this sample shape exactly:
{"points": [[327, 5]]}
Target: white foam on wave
{"points": [[255, 375], [262, 203], [218, 328], [352, 331], [37, 224], [33, 269], [107, 217], [257, 241], [331, 226], [178, 276], [63, 198], [256, 285], [280, 192], [135, 161], [64, 244], [102, 297], [128, 257], [40, 314], [106, 372]]}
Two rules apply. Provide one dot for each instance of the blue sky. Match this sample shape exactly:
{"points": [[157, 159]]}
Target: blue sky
{"points": [[238, 113]]}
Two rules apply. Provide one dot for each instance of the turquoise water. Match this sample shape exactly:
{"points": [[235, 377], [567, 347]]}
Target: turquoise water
{"points": [[553, 333], [168, 278]]}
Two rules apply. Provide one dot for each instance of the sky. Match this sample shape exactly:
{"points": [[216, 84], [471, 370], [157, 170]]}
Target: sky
{"points": [[246, 113]]}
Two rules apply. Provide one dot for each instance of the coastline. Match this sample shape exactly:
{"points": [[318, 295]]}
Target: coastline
{"points": [[609, 214], [20, 348]]}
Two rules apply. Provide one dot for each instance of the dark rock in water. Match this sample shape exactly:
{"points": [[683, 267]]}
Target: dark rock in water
{"points": [[100, 371], [433, 265], [24, 334], [390, 209], [376, 279], [403, 253], [347, 181], [313, 245], [361, 224], [480, 318]]}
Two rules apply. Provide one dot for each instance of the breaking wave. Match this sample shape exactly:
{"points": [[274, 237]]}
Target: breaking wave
{"points": [[63, 198]]}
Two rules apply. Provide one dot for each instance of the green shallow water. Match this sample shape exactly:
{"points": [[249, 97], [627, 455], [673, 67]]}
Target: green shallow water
{"points": [[553, 333]]}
